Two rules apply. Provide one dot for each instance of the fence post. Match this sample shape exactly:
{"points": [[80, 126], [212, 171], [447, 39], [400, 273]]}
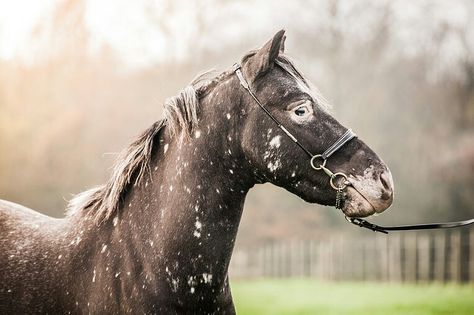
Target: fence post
{"points": [[455, 242], [410, 246], [382, 249], [464, 255], [471, 255], [423, 257], [307, 258], [440, 257], [395, 266]]}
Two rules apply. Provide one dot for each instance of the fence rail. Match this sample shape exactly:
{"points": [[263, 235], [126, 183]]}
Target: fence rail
{"points": [[442, 256]]}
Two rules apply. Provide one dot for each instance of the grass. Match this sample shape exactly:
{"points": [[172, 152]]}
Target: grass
{"points": [[312, 297]]}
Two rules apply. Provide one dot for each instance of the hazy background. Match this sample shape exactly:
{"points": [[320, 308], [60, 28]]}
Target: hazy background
{"points": [[79, 79]]}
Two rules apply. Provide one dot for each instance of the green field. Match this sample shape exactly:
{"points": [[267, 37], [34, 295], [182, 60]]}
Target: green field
{"points": [[311, 297]]}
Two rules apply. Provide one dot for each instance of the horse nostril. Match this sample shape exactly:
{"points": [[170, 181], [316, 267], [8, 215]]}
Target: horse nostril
{"points": [[386, 179]]}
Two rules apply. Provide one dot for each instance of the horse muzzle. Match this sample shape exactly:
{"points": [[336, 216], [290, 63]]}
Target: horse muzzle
{"points": [[369, 193]]}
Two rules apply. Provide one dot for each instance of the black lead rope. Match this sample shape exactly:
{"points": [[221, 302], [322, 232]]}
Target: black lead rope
{"points": [[426, 226]]}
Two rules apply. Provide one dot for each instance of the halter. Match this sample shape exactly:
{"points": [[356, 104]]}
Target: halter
{"points": [[317, 161]]}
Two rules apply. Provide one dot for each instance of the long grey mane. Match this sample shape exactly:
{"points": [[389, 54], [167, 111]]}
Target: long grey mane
{"points": [[180, 115]]}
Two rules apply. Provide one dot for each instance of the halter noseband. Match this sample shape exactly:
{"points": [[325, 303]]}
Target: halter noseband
{"points": [[317, 161]]}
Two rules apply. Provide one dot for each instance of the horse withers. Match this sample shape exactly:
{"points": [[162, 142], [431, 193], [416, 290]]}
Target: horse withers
{"points": [[158, 236]]}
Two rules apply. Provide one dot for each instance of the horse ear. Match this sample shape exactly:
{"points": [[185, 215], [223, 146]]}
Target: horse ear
{"points": [[282, 44], [263, 59]]}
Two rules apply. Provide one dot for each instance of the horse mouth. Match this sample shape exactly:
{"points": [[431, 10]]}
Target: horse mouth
{"points": [[358, 205], [369, 194]]}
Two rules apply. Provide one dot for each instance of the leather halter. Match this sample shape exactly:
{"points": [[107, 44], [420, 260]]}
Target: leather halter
{"points": [[339, 187], [339, 143]]}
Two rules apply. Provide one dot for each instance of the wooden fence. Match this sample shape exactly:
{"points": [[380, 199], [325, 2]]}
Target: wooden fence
{"points": [[442, 256]]}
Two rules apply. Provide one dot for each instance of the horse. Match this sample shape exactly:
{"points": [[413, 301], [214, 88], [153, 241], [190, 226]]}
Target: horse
{"points": [[157, 237]]}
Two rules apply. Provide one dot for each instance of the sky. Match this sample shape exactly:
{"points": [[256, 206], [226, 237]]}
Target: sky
{"points": [[136, 29]]}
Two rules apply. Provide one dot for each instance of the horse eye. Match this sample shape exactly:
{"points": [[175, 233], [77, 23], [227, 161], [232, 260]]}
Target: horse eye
{"points": [[301, 111]]}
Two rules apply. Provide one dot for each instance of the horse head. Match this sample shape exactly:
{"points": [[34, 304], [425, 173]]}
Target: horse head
{"points": [[293, 103]]}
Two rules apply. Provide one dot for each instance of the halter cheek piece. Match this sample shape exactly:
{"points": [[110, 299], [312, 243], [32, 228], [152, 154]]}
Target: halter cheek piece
{"points": [[318, 162]]}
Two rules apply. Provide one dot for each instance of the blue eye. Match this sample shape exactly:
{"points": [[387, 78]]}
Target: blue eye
{"points": [[301, 111]]}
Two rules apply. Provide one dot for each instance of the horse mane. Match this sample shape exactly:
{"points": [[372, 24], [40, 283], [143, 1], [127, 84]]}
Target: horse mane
{"points": [[102, 201], [180, 115]]}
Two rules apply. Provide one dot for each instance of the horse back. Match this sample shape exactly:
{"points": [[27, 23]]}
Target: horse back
{"points": [[25, 244]]}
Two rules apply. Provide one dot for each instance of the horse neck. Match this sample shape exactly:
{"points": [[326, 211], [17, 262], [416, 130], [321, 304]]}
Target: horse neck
{"points": [[182, 221]]}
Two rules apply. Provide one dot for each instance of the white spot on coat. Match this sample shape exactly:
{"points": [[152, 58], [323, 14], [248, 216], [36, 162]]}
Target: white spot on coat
{"points": [[175, 283], [207, 277], [273, 166], [198, 224], [197, 231], [275, 142]]}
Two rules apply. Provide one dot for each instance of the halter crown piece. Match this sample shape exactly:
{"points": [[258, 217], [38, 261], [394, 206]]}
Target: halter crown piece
{"points": [[317, 161]]}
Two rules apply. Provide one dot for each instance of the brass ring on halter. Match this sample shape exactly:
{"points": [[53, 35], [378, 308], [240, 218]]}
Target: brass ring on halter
{"points": [[344, 183], [318, 168]]}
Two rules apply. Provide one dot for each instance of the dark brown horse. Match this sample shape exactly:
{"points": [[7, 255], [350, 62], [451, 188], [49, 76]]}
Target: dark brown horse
{"points": [[158, 236]]}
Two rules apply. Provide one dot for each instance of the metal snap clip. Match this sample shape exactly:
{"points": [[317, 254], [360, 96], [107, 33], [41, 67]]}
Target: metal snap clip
{"points": [[318, 168]]}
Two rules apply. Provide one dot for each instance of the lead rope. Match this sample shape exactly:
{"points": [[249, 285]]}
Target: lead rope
{"points": [[346, 137], [425, 226]]}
